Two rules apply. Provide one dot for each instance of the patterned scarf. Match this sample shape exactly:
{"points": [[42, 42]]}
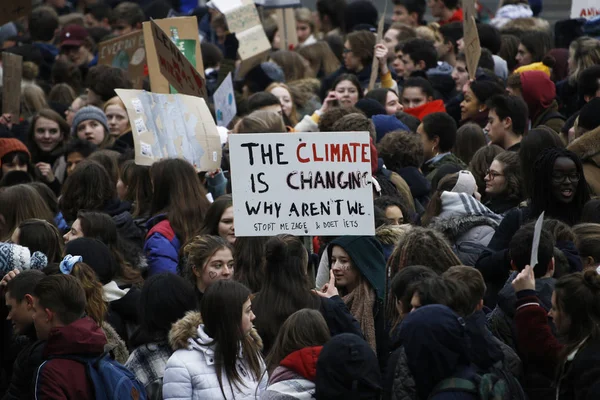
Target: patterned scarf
{"points": [[360, 302]]}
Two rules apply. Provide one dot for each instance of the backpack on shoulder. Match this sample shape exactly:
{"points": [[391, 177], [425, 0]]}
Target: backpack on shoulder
{"points": [[494, 385], [110, 380]]}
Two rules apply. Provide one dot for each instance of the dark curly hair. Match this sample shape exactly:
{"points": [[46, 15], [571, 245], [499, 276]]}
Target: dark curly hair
{"points": [[400, 149], [330, 117]]}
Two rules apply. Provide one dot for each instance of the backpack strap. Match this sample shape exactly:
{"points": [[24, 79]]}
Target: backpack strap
{"points": [[454, 385]]}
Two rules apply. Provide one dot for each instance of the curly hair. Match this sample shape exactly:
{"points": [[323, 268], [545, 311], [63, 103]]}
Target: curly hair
{"points": [[400, 149], [512, 174], [355, 123], [481, 161], [330, 117]]}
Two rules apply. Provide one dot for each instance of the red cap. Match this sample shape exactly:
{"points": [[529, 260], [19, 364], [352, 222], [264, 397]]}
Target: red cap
{"points": [[73, 35]]}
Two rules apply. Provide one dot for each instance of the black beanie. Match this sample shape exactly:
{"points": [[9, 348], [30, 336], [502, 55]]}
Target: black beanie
{"points": [[95, 254], [360, 12], [589, 117], [370, 107]]}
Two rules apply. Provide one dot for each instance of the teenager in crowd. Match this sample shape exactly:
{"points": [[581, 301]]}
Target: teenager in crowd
{"points": [[219, 219], [438, 133], [18, 204], [469, 138], [588, 237], [39, 235], [90, 124], [217, 351], [503, 183], [14, 156], [119, 125], [507, 121], [134, 186], [473, 108]]}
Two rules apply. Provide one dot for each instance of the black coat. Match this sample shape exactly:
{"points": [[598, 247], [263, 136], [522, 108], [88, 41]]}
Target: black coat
{"points": [[581, 380], [27, 362]]}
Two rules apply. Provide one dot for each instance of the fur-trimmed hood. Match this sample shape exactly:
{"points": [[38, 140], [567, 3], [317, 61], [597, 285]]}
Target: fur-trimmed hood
{"points": [[455, 227], [185, 330], [587, 147]]}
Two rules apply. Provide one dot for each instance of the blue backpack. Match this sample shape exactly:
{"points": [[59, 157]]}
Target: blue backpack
{"points": [[111, 380]]}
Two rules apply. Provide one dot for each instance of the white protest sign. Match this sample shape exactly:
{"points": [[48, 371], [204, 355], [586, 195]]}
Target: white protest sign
{"points": [[585, 9], [225, 107], [302, 184], [172, 126]]}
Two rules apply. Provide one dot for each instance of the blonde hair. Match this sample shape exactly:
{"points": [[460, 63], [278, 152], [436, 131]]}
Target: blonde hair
{"points": [[320, 57], [261, 122], [427, 33], [116, 101], [33, 99], [585, 52], [293, 115], [305, 15]]}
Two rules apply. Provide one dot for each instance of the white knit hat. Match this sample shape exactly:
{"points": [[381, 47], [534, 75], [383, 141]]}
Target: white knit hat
{"points": [[13, 256]]}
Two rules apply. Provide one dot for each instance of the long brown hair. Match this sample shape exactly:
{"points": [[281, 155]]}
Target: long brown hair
{"points": [[249, 261], [322, 60], [62, 126], [41, 235], [198, 251], [139, 187], [292, 65], [19, 203], [304, 328], [179, 193]]}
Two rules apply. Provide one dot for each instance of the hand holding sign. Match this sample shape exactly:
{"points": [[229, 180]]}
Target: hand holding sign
{"points": [[525, 280], [376, 61]]}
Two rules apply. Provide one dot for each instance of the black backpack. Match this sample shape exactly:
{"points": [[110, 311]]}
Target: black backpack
{"points": [[494, 385]]}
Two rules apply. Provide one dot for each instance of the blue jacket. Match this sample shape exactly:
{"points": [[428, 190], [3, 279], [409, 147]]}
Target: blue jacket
{"points": [[162, 246]]}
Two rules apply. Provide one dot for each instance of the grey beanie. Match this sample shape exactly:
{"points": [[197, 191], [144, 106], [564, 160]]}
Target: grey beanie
{"points": [[89, 112], [13, 256]]}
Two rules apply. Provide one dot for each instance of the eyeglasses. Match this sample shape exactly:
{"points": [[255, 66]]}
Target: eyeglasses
{"points": [[492, 174], [561, 178], [346, 51]]}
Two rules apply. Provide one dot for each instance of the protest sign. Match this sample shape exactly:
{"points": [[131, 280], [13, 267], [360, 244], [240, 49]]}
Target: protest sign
{"points": [[375, 64], [286, 22], [225, 107], [471, 38], [278, 3], [585, 9], [12, 66], [126, 52], [302, 184], [172, 126], [243, 20], [158, 38], [11, 10]]}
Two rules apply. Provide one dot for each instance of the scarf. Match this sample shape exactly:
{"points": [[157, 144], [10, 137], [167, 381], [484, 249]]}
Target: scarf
{"points": [[360, 302]]}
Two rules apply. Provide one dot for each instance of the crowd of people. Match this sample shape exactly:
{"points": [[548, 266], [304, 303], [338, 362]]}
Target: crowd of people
{"points": [[116, 270]]}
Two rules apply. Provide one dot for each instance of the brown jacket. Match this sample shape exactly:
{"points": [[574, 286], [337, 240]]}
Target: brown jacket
{"points": [[587, 147]]}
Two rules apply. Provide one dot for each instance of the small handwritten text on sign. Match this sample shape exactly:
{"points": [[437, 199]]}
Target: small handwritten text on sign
{"points": [[302, 184]]}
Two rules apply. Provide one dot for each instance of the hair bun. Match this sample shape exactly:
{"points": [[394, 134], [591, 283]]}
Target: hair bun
{"points": [[275, 250], [549, 61], [591, 279]]}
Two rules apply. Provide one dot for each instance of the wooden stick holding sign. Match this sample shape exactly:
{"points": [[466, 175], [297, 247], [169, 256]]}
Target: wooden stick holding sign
{"points": [[180, 73], [12, 65], [375, 65], [286, 21], [471, 38]]}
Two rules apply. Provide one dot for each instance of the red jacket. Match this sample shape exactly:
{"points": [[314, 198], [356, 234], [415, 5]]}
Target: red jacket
{"points": [[426, 109], [67, 379], [535, 341]]}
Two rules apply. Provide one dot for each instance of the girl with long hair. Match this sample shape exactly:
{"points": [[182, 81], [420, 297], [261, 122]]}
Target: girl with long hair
{"points": [[219, 219], [292, 362], [217, 351], [39, 235], [17, 204], [503, 183], [286, 289], [249, 261], [135, 187], [179, 207], [207, 259]]}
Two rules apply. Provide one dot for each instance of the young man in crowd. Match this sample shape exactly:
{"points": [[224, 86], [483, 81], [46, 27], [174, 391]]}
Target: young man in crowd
{"points": [[331, 16], [507, 121], [126, 18], [43, 27], [438, 134], [409, 12], [59, 319], [418, 98], [98, 15], [101, 82], [77, 46], [445, 11], [19, 302]]}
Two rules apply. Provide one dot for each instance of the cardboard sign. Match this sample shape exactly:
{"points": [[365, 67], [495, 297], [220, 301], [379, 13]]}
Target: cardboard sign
{"points": [[224, 99], [375, 65], [243, 20], [126, 52], [585, 9], [278, 3], [172, 126], [179, 28], [302, 184], [12, 66], [286, 21], [11, 10], [472, 48]]}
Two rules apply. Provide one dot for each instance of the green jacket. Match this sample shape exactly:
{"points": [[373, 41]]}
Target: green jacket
{"points": [[429, 169]]}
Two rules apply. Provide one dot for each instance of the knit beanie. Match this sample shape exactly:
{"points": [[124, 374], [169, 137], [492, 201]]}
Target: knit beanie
{"points": [[13, 256], [95, 254], [8, 146], [87, 113], [589, 117], [370, 107], [361, 12], [385, 124], [261, 76]]}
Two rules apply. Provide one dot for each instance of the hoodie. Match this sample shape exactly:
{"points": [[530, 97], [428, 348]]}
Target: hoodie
{"points": [[587, 148], [295, 376], [426, 109], [387, 123], [120, 213], [68, 377], [539, 92]]}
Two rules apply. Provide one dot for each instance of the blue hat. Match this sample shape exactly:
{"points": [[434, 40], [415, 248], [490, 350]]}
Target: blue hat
{"points": [[385, 124]]}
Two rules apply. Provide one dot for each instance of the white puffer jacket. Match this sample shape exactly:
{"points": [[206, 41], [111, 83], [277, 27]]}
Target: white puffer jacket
{"points": [[191, 372]]}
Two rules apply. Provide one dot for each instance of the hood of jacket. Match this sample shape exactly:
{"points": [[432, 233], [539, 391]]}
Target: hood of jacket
{"points": [[455, 227], [442, 68], [462, 205], [303, 362], [587, 147], [538, 92], [436, 345], [507, 298], [366, 254], [83, 336], [188, 332], [484, 350], [426, 109]]}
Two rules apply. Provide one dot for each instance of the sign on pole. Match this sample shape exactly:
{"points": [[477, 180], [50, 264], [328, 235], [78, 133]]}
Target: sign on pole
{"points": [[471, 38], [172, 126], [375, 64], [302, 184], [126, 52], [224, 98], [12, 65]]}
